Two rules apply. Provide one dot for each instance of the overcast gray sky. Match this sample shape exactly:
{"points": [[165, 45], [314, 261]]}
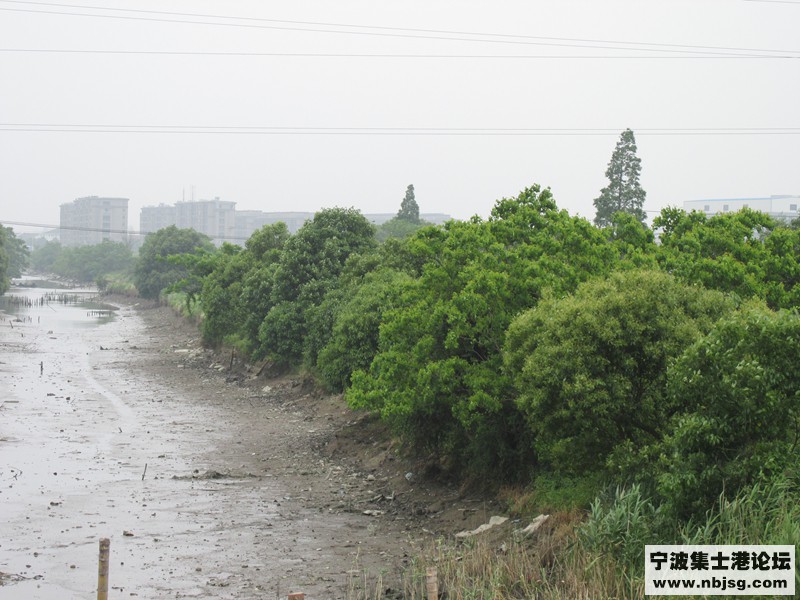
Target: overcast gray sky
{"points": [[693, 79]]}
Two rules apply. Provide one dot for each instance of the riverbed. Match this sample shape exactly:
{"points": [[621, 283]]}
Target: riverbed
{"points": [[106, 432]]}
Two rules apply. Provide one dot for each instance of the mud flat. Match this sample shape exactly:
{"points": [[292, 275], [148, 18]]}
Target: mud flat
{"points": [[107, 430]]}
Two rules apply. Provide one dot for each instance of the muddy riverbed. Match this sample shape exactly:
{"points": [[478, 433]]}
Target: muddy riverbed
{"points": [[210, 482]]}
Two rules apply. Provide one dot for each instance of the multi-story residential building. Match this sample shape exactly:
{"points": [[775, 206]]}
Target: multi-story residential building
{"points": [[91, 220], [153, 218], [216, 218], [778, 207], [222, 222], [248, 221]]}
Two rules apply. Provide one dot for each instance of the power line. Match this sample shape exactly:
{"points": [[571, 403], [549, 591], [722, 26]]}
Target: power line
{"points": [[401, 56], [440, 35], [384, 131], [391, 29], [97, 230]]}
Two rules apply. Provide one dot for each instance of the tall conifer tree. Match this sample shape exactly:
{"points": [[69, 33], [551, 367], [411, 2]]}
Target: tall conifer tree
{"points": [[409, 209], [623, 193]]}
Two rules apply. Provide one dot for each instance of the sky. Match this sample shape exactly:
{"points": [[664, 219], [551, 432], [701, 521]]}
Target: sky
{"points": [[303, 105]]}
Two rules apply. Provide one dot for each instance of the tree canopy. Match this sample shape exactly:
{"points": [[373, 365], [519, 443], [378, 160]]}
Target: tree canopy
{"points": [[409, 209], [14, 256], [154, 271], [307, 269], [437, 374], [591, 368], [533, 341], [738, 393], [623, 192]]}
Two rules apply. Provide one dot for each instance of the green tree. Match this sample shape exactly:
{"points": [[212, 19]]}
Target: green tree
{"points": [[308, 267], [44, 257], [633, 240], [87, 263], [4, 260], [228, 305], [353, 342], [18, 253], [623, 193], [397, 228], [745, 252], [591, 368], [409, 209], [437, 375], [738, 389], [154, 270]]}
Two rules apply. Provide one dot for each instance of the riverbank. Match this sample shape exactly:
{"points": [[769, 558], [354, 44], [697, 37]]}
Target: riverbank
{"points": [[230, 485]]}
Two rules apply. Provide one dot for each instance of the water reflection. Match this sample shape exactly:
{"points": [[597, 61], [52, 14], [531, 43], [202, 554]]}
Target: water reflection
{"points": [[55, 308]]}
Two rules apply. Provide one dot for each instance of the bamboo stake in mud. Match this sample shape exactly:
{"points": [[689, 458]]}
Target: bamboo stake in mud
{"points": [[432, 583], [102, 569]]}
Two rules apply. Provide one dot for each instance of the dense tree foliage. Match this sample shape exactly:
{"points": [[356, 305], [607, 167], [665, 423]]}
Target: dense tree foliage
{"points": [[591, 368], [534, 341], [746, 253], [85, 264], [397, 228], [44, 257], [307, 269], [624, 193], [16, 250], [5, 258], [154, 270], [355, 327], [437, 374], [738, 390], [232, 294]]}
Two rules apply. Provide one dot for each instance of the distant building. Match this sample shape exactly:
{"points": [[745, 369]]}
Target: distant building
{"points": [[216, 218], [222, 222], [91, 220], [249, 221], [153, 218], [778, 207]]}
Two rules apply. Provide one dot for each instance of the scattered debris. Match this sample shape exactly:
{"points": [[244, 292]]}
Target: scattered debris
{"points": [[211, 474], [534, 525], [493, 522]]}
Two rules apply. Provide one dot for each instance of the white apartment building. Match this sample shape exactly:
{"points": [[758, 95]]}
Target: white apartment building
{"points": [[778, 207], [153, 218], [91, 220], [216, 218]]}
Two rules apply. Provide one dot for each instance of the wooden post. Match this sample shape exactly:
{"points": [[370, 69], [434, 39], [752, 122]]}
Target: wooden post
{"points": [[432, 583], [102, 569], [297, 596]]}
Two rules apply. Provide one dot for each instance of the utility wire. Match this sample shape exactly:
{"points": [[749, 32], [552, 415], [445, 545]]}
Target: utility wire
{"points": [[391, 29], [382, 131], [97, 230], [403, 56], [394, 35]]}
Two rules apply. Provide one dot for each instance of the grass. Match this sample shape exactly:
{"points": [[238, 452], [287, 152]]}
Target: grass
{"points": [[182, 304], [117, 284], [594, 556]]}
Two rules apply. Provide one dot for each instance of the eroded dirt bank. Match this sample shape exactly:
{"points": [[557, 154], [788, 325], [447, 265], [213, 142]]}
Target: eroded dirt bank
{"points": [[210, 482]]}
